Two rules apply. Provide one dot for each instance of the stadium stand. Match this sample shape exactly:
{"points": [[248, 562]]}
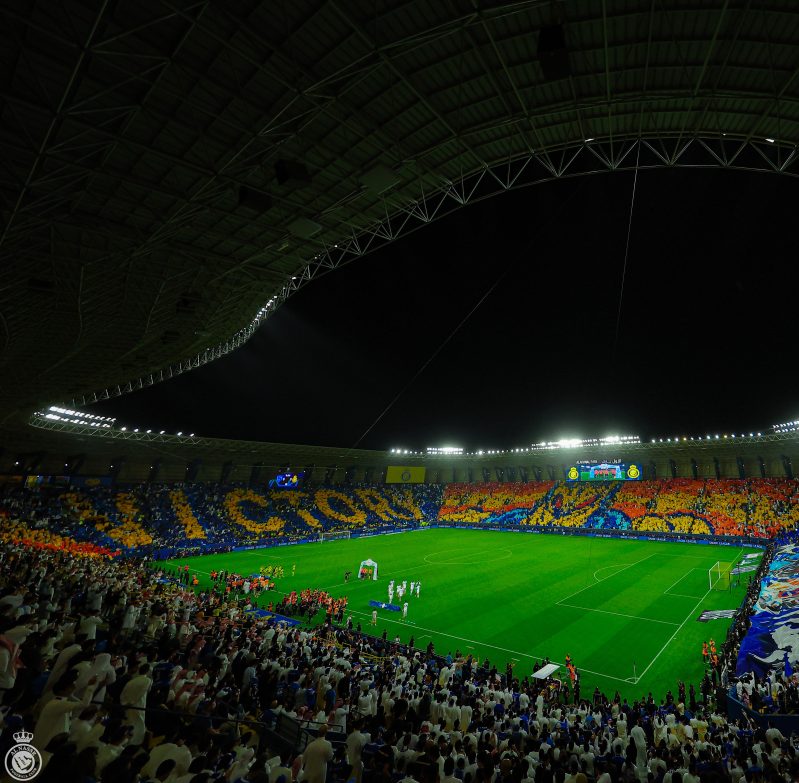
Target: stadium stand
{"points": [[164, 519], [82, 531], [123, 674], [140, 142]]}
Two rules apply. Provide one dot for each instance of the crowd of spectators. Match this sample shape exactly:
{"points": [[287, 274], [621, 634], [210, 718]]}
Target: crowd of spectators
{"points": [[162, 520], [123, 675], [757, 508]]}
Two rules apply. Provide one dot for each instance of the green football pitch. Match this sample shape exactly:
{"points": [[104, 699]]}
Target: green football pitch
{"points": [[625, 610]]}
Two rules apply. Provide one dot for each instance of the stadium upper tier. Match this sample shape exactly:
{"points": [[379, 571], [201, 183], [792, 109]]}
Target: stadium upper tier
{"points": [[163, 519], [60, 447]]}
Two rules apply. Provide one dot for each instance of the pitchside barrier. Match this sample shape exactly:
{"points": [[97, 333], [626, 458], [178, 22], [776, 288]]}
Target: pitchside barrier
{"points": [[638, 535]]}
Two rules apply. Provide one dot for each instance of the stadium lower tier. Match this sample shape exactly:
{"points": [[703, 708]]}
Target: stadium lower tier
{"points": [[129, 675], [161, 519]]}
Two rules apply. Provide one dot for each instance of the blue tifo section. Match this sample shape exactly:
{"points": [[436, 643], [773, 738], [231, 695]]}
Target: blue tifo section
{"points": [[276, 617], [383, 605], [775, 621]]}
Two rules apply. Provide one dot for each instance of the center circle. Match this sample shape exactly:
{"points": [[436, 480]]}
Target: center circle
{"points": [[471, 558]]}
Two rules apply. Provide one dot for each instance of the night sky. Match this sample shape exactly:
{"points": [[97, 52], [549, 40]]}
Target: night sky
{"points": [[708, 338]]}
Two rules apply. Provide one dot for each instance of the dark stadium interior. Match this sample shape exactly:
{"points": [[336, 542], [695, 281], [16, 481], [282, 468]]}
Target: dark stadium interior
{"points": [[707, 317], [306, 301]]}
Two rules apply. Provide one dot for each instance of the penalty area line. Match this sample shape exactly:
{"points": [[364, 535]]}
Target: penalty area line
{"points": [[672, 637], [588, 587], [679, 628], [487, 644], [689, 571], [618, 614]]}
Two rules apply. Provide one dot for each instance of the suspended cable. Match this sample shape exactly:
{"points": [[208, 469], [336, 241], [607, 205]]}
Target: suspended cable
{"points": [[511, 264], [432, 356], [626, 252]]}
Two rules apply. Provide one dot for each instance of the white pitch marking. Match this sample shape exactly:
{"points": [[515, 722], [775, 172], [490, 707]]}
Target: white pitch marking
{"points": [[605, 568], [666, 591], [486, 644], [618, 614], [583, 589], [679, 628]]}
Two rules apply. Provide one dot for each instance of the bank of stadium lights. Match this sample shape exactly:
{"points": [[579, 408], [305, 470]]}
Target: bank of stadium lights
{"points": [[571, 443], [179, 434], [709, 437], [610, 440], [788, 426], [69, 416]]}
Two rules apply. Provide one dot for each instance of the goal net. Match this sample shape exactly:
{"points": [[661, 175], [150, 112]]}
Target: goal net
{"points": [[334, 535], [719, 576]]}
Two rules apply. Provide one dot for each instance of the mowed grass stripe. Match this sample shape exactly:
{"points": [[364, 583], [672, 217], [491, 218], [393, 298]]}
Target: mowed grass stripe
{"points": [[639, 591], [505, 596]]}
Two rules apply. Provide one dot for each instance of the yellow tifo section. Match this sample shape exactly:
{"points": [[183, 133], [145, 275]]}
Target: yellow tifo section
{"points": [[185, 515], [127, 531]]}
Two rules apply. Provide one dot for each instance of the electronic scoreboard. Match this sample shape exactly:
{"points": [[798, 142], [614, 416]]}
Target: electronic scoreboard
{"points": [[604, 471]]}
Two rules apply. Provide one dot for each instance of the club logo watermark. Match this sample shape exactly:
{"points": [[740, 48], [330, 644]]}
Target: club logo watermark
{"points": [[23, 761]]}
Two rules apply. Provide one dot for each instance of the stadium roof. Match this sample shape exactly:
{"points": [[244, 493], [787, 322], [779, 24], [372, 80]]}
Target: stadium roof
{"points": [[173, 170]]}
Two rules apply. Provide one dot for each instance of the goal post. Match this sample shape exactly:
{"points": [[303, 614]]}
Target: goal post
{"points": [[718, 576], [334, 535]]}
